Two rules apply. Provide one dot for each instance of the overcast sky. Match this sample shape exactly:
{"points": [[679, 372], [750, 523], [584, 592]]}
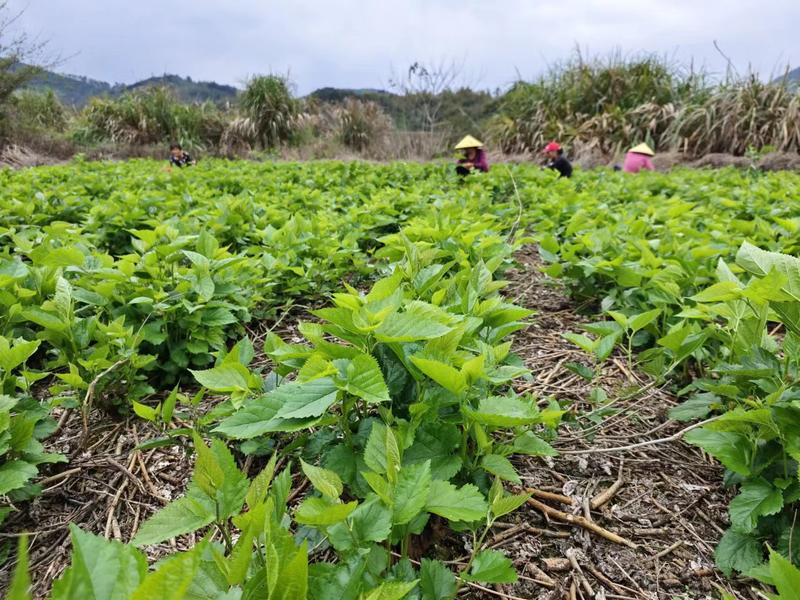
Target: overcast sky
{"points": [[347, 43]]}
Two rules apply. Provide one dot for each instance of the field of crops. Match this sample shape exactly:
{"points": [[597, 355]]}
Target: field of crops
{"points": [[358, 381]]}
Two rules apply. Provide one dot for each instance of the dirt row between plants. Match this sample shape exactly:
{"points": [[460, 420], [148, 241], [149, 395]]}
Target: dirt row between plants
{"points": [[663, 504], [666, 505]]}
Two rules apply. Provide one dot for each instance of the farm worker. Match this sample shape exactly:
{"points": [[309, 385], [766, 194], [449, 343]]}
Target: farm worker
{"points": [[474, 156], [556, 159], [179, 157], [639, 158]]}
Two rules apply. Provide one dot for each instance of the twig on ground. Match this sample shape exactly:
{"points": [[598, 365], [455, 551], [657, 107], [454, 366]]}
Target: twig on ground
{"points": [[605, 497], [606, 581], [59, 476], [627, 575], [550, 496], [556, 565], [582, 522], [112, 508], [665, 440], [62, 420], [666, 551], [541, 576], [86, 407], [573, 559]]}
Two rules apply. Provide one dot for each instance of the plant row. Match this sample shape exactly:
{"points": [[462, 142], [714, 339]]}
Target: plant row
{"points": [[398, 409]]}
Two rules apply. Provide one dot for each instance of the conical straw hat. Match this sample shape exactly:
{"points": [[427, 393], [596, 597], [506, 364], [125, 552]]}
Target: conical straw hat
{"points": [[643, 149], [469, 142]]}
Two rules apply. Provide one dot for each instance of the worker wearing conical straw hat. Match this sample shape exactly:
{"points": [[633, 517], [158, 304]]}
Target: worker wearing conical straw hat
{"points": [[474, 156], [639, 158]]}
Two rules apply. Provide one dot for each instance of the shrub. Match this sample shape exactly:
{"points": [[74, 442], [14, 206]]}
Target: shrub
{"points": [[38, 110], [153, 116], [362, 124], [268, 103], [738, 116], [600, 103]]}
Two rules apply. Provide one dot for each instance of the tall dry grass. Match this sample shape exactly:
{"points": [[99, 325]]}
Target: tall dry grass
{"points": [[739, 116], [607, 105], [152, 116]]}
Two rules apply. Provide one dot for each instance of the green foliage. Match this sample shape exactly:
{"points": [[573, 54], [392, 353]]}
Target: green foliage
{"points": [[19, 588], [13, 76], [398, 398], [38, 110]]}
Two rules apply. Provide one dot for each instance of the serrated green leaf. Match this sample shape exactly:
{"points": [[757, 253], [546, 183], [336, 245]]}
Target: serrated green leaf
{"points": [[101, 569], [148, 413], [696, 407], [757, 498], [502, 411], [365, 380], [501, 467], [20, 586], [241, 556], [15, 474], [320, 512], [259, 486], [785, 575], [232, 377], [419, 321], [581, 341], [446, 376], [644, 319], [531, 445], [491, 566], [173, 578], [437, 443], [737, 551], [456, 504], [45, 319], [437, 582], [13, 355], [505, 505], [168, 408], [411, 493], [304, 400], [324, 481], [375, 450], [379, 485], [733, 450], [258, 416], [293, 581], [719, 292], [392, 590], [184, 515], [370, 522]]}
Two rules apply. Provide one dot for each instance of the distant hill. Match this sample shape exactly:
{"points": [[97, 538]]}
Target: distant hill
{"points": [[188, 90], [330, 94], [77, 91], [793, 77], [71, 89]]}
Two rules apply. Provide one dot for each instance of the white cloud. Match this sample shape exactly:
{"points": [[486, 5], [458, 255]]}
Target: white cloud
{"points": [[351, 43]]}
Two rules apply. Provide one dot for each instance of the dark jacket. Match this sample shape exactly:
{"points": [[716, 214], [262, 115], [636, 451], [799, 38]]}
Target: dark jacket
{"points": [[182, 161], [561, 165]]}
